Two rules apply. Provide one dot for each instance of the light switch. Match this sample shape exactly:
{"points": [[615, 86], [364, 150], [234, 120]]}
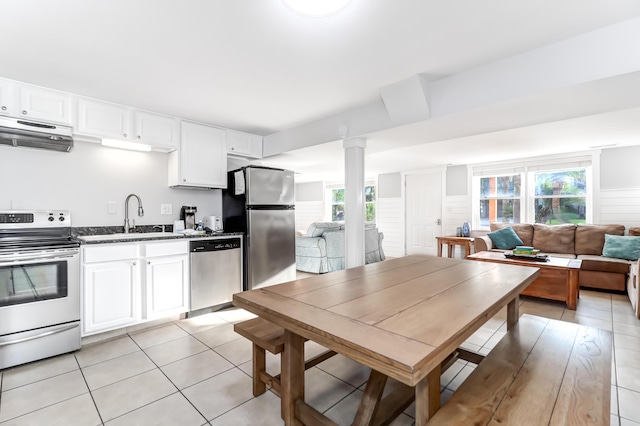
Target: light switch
{"points": [[166, 208], [111, 207]]}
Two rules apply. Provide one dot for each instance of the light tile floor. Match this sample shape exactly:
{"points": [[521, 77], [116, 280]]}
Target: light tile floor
{"points": [[197, 372]]}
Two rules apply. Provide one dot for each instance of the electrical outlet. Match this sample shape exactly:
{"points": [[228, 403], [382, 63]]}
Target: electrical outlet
{"points": [[166, 208], [111, 207]]}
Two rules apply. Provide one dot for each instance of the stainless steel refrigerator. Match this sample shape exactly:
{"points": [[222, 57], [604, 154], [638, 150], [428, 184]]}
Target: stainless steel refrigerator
{"points": [[259, 201]]}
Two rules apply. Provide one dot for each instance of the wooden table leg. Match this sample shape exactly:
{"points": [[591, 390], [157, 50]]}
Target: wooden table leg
{"points": [[292, 376], [370, 399], [573, 288], [467, 249], [439, 249], [450, 248], [428, 397], [513, 312]]}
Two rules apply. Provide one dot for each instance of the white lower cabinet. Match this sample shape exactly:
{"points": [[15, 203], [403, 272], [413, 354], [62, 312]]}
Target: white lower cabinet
{"points": [[111, 295], [164, 296], [117, 291]]}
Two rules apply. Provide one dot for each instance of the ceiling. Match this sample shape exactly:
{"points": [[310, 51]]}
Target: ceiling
{"points": [[258, 67]]}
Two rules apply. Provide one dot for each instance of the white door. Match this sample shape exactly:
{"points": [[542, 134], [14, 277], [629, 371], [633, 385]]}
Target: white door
{"points": [[423, 198]]}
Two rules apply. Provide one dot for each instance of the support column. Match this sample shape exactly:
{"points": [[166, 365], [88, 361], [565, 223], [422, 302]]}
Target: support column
{"points": [[354, 201]]}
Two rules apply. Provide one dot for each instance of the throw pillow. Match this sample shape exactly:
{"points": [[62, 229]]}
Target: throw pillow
{"points": [[621, 247], [505, 238]]}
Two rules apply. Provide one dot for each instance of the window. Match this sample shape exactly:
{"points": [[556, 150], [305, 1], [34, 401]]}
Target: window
{"points": [[336, 195], [541, 192], [500, 199], [560, 196], [337, 204]]}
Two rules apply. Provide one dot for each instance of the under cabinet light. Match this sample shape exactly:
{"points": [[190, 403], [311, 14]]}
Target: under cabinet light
{"points": [[316, 7], [114, 143]]}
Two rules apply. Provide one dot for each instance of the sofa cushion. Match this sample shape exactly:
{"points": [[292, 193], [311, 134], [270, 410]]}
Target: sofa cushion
{"points": [[505, 238], [592, 262], [621, 247], [316, 229], [590, 238], [554, 238], [524, 231], [633, 231]]}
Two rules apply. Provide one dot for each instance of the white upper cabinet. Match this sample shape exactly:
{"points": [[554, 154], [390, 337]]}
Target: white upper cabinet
{"points": [[112, 121], [103, 119], [34, 103], [157, 130], [7, 103], [43, 104], [201, 160], [244, 144]]}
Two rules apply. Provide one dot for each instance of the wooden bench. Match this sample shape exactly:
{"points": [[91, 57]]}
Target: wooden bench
{"points": [[266, 335], [543, 372]]}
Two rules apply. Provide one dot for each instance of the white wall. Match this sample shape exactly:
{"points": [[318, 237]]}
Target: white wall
{"points": [[308, 212], [88, 177], [390, 220], [457, 210], [620, 207]]}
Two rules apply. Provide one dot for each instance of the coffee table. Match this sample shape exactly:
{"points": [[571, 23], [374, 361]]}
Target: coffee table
{"points": [[558, 277]]}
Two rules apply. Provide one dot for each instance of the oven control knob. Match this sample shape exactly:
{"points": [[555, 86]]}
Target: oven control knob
{"points": [[50, 219], [61, 218]]}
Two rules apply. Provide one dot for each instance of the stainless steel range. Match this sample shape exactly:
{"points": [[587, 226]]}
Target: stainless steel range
{"points": [[39, 286]]}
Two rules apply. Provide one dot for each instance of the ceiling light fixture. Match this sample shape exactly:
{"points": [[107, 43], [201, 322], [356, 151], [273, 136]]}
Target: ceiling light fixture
{"points": [[316, 7], [133, 146]]}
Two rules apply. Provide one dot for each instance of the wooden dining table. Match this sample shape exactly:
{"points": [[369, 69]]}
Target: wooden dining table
{"points": [[403, 318]]}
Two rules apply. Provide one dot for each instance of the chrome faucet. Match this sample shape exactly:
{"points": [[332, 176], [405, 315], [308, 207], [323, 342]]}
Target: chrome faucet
{"points": [[127, 228]]}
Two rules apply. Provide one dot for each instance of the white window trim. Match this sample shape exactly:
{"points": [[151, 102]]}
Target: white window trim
{"points": [[476, 196], [329, 186], [587, 160]]}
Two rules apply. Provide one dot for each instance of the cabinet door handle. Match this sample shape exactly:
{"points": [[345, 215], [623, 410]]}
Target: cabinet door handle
{"points": [[24, 112], [4, 108], [124, 134], [148, 262], [134, 263]]}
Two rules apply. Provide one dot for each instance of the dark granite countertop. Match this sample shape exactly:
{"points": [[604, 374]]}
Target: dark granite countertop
{"points": [[115, 234]]}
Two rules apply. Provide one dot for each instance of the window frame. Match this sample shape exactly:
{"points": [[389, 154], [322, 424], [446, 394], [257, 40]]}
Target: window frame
{"points": [[527, 193], [531, 185], [479, 198], [329, 187]]}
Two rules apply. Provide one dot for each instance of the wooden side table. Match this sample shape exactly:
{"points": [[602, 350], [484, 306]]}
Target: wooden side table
{"points": [[451, 242]]}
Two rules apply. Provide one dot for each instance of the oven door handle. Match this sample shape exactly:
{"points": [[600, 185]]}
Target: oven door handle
{"points": [[58, 329], [52, 256]]}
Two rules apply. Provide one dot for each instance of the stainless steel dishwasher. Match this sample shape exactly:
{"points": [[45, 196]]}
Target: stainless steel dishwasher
{"points": [[216, 271]]}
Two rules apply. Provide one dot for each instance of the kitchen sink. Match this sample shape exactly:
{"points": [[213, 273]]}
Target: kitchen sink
{"points": [[130, 236]]}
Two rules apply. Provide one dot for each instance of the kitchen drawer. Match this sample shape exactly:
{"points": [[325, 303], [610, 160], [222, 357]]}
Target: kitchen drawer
{"points": [[153, 249], [109, 252]]}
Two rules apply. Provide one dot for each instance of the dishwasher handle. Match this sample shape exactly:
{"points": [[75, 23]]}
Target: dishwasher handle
{"points": [[214, 245]]}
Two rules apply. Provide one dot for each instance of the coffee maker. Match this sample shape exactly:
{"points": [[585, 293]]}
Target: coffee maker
{"points": [[188, 214]]}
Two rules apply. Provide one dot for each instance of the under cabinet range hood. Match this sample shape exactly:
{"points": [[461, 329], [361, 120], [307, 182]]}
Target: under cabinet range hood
{"points": [[32, 134]]}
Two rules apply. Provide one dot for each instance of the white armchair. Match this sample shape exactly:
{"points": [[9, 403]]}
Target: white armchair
{"points": [[322, 249]]}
